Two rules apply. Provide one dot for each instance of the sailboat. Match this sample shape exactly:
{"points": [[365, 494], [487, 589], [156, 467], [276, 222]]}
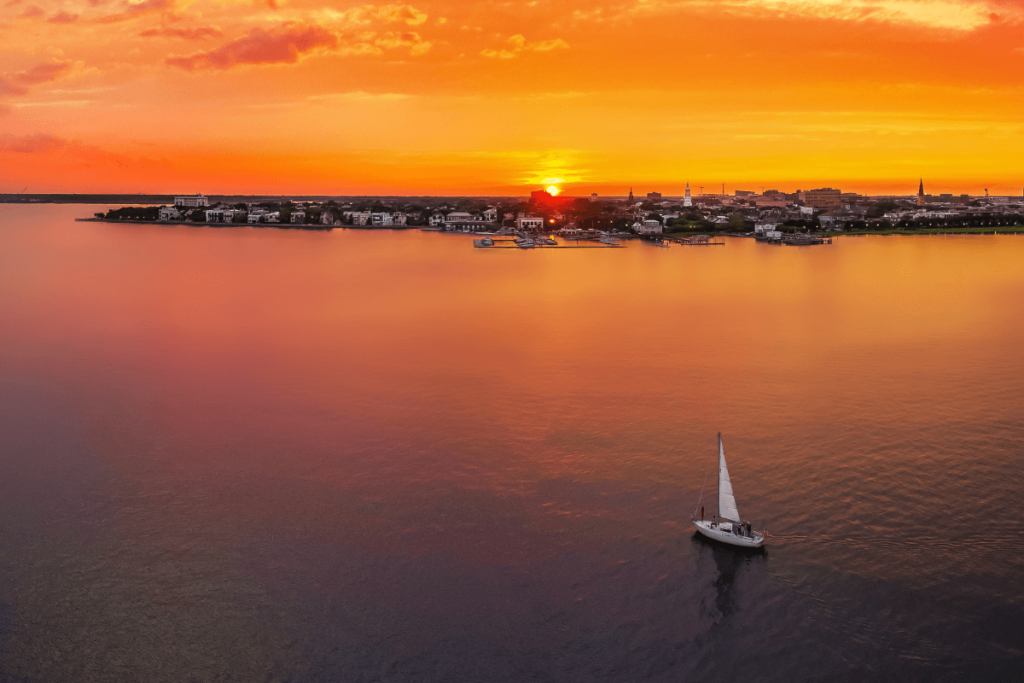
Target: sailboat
{"points": [[727, 526]]}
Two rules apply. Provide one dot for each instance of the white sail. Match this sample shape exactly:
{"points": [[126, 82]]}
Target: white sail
{"points": [[726, 501]]}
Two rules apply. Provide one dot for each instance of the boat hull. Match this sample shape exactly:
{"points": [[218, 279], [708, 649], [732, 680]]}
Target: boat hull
{"points": [[723, 533]]}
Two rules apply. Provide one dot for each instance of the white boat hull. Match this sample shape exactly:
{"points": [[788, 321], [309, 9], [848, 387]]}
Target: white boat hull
{"points": [[723, 533]]}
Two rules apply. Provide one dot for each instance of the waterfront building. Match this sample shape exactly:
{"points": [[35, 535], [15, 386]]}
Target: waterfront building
{"points": [[460, 217], [298, 217], [823, 198], [530, 222], [358, 217], [648, 227], [192, 201], [169, 213], [436, 220], [491, 215]]}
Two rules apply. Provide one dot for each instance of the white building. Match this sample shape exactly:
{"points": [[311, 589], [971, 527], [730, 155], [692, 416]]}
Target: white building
{"points": [[169, 213], [530, 222], [298, 217], [327, 218], [460, 217], [381, 220], [491, 215], [765, 227], [436, 220], [687, 199], [272, 217], [648, 227], [192, 201], [256, 216], [358, 217]]}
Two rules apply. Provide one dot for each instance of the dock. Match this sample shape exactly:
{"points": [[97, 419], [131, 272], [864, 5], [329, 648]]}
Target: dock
{"points": [[512, 244], [697, 241]]}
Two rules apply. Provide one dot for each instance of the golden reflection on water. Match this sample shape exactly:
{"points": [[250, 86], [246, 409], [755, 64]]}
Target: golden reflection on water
{"points": [[401, 397]]}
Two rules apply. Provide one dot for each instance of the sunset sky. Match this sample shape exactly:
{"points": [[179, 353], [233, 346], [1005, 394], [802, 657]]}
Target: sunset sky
{"points": [[475, 97]]}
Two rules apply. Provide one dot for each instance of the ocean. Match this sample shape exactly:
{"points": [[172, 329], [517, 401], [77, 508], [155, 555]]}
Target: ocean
{"points": [[270, 455]]}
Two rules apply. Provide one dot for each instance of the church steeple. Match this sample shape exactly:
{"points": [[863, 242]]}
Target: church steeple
{"points": [[630, 195], [920, 193]]}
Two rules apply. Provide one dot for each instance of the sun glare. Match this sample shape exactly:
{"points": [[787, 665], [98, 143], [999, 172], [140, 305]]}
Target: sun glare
{"points": [[553, 190]]}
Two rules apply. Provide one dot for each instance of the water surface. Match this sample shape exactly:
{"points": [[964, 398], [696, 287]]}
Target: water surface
{"points": [[245, 454]]}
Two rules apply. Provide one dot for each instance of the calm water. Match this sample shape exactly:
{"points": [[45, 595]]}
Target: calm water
{"points": [[238, 454]]}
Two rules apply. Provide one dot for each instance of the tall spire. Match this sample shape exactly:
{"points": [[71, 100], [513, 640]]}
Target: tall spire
{"points": [[920, 193], [631, 195]]}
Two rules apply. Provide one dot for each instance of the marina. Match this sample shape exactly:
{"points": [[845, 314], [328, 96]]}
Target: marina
{"points": [[538, 243]]}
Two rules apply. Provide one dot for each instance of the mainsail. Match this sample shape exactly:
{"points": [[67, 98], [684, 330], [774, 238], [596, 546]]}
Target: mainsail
{"points": [[726, 501]]}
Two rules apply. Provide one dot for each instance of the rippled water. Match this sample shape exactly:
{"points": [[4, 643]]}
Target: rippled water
{"points": [[240, 454]]}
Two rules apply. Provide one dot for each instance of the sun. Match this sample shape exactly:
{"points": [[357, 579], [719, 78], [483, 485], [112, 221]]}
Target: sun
{"points": [[553, 190]]}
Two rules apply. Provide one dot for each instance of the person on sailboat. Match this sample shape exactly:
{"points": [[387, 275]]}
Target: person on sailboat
{"points": [[702, 513]]}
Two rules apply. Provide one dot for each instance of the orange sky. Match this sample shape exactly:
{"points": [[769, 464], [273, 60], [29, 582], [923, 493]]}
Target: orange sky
{"points": [[475, 97]]}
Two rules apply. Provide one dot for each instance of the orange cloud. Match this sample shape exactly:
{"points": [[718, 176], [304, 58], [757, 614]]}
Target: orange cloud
{"points": [[45, 72], [186, 33], [63, 18], [134, 10], [950, 15], [31, 144], [412, 40], [518, 44], [16, 84], [281, 46]]}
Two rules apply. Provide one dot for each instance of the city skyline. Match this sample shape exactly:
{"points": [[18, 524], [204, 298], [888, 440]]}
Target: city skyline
{"points": [[470, 98]]}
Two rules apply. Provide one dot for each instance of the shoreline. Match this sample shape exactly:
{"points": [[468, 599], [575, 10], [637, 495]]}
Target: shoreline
{"points": [[1002, 230], [310, 227]]}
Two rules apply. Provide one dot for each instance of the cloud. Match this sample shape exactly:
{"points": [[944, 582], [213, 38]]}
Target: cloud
{"points": [[950, 15], [401, 13], [278, 46], [134, 10], [32, 12], [416, 45], [38, 143], [366, 14], [44, 73], [62, 18], [8, 87], [518, 44], [186, 33]]}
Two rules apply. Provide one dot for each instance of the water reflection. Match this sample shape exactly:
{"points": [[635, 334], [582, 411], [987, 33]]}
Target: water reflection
{"points": [[727, 565], [377, 436]]}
